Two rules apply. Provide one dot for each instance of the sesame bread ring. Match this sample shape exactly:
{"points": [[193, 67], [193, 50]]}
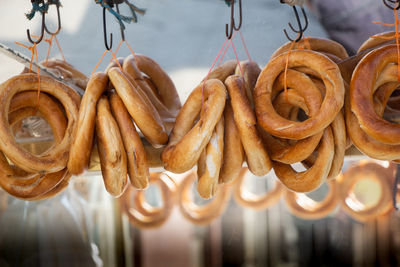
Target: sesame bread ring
{"points": [[165, 87], [333, 101], [146, 217], [201, 214], [82, 141], [324, 46], [138, 167], [145, 115], [249, 200], [55, 158], [187, 141], [212, 161], [372, 171], [233, 156], [111, 150], [302, 206], [256, 156], [366, 79], [312, 178]]}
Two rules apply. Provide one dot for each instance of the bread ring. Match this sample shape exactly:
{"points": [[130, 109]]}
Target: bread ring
{"points": [[305, 95], [223, 71], [82, 141], [366, 144], [54, 159], [256, 156], [111, 150], [312, 178], [306, 208], [251, 71], [204, 214], [165, 87], [145, 116], [209, 175], [14, 180], [366, 170], [376, 42], [250, 200], [68, 72], [134, 74], [138, 168], [114, 63], [324, 46], [366, 78], [233, 156], [331, 105], [25, 104], [187, 142], [144, 217]]}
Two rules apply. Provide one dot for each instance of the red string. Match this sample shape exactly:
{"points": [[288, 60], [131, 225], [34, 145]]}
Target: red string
{"points": [[244, 45], [50, 42], [237, 59]]}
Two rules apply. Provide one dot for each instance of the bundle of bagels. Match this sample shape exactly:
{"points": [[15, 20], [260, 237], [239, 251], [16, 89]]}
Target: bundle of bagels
{"points": [[296, 116]]}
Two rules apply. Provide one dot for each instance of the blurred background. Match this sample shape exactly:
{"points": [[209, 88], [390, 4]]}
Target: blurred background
{"points": [[84, 226]]}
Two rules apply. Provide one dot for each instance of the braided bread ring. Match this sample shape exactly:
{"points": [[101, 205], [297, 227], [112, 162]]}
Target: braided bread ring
{"points": [[54, 159], [366, 170], [209, 174], [138, 168], [165, 87], [233, 156], [111, 150], [366, 78], [145, 115], [331, 105], [250, 200], [201, 214], [143, 216], [313, 177], [186, 142], [82, 141], [304, 207], [257, 158]]}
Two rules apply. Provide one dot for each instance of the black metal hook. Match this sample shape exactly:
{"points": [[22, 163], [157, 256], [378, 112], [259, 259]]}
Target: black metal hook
{"points": [[58, 19], [393, 2], [108, 47], [41, 31], [233, 26], [122, 30], [301, 29]]}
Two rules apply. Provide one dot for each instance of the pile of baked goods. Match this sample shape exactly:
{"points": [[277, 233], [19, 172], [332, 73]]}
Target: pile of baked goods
{"points": [[304, 108]]}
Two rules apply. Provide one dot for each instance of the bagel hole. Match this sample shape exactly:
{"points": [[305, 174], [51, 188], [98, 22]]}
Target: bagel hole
{"points": [[153, 196], [365, 194], [34, 134], [392, 109], [258, 186]]}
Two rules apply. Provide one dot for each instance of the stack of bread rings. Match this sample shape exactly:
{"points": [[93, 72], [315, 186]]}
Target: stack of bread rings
{"points": [[24, 174], [315, 86], [115, 102], [373, 82], [225, 132]]}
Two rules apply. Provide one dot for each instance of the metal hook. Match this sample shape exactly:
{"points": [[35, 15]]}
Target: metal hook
{"points": [[122, 30], [233, 26], [58, 18], [301, 29], [105, 31], [41, 32], [393, 2]]}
